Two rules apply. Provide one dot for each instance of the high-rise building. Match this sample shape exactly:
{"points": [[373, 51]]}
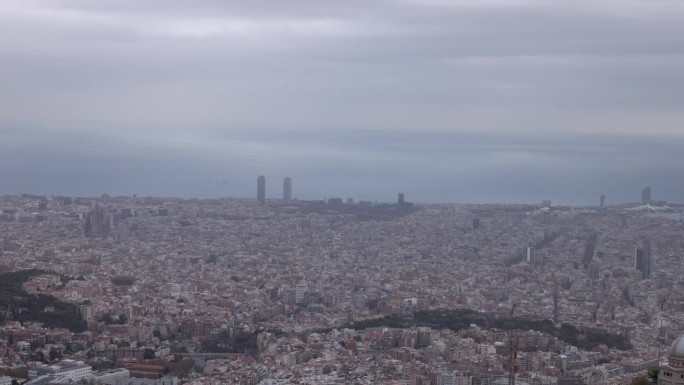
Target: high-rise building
{"points": [[642, 260], [639, 258], [400, 199], [424, 336], [646, 195], [261, 189], [335, 201], [287, 189], [301, 289], [603, 200], [593, 270], [530, 258]]}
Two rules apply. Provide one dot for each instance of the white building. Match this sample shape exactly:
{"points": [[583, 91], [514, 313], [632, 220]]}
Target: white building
{"points": [[672, 372], [112, 376], [50, 380], [70, 369]]}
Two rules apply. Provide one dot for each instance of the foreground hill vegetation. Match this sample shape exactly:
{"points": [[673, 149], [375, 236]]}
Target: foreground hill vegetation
{"points": [[18, 305]]}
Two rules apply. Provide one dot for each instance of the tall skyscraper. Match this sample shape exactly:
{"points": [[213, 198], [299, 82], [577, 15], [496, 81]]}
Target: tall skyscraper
{"points": [[603, 200], [400, 200], [261, 189], [642, 260], [646, 195], [287, 189], [530, 258]]}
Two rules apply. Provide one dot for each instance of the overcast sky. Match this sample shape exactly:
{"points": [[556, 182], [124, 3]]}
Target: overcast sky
{"points": [[447, 101]]}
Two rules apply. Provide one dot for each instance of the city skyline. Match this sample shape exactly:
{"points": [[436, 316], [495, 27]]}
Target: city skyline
{"points": [[286, 195], [429, 168]]}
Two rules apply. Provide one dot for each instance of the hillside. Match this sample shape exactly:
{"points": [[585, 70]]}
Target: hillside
{"points": [[18, 305]]}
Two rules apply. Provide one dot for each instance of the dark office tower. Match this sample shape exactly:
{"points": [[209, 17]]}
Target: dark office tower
{"points": [[646, 195], [603, 200], [639, 258], [287, 189], [400, 202], [642, 260], [261, 189]]}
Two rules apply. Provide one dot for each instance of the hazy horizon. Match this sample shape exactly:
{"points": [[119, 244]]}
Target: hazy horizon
{"points": [[437, 168], [446, 101]]}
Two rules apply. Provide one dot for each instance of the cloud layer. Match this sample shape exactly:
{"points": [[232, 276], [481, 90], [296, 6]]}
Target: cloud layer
{"points": [[485, 91]]}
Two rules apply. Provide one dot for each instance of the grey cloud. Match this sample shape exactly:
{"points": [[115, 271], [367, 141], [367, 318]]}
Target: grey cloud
{"points": [[532, 96]]}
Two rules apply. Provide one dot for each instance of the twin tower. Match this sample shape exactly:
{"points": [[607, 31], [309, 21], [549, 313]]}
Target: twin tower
{"points": [[261, 189]]}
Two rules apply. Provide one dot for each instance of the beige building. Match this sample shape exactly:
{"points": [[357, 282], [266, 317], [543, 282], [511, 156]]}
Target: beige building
{"points": [[672, 372]]}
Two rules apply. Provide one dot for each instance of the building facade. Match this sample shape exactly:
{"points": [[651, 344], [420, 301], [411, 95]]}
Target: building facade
{"points": [[672, 372], [261, 189], [642, 260], [646, 195], [73, 370], [287, 189]]}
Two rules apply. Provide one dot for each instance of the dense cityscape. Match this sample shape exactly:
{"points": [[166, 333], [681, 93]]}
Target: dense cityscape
{"points": [[144, 290], [359, 192]]}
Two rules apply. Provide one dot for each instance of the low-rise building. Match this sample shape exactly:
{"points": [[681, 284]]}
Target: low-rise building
{"points": [[111, 377], [73, 370]]}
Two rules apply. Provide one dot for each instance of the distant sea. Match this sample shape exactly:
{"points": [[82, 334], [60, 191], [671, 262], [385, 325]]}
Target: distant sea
{"points": [[673, 216]]}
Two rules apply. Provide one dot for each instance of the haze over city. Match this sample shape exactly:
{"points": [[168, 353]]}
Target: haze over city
{"points": [[447, 101], [351, 192]]}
